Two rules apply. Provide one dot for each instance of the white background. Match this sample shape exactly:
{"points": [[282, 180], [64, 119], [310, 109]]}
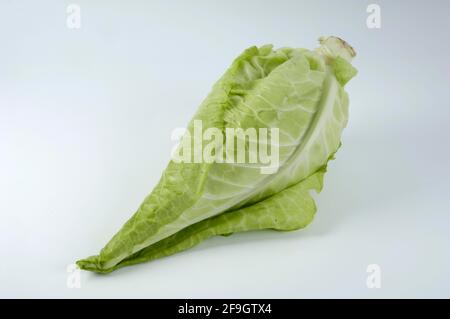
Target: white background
{"points": [[85, 122]]}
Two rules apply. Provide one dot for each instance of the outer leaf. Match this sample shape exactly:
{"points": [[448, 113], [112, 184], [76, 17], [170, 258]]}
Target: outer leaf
{"points": [[343, 70], [291, 209]]}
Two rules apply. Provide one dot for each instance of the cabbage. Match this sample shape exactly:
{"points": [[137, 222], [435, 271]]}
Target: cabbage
{"points": [[298, 91]]}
